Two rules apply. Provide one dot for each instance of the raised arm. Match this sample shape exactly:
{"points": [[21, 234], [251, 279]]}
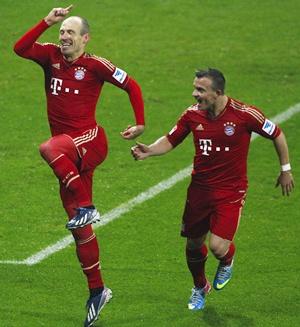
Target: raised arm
{"points": [[57, 15], [142, 151], [26, 46], [285, 179]]}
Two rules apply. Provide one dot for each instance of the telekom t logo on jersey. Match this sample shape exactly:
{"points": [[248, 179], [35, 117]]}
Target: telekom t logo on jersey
{"points": [[56, 86], [207, 146]]}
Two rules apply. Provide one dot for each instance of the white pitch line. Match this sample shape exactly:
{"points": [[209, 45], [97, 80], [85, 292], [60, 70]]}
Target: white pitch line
{"points": [[128, 206]]}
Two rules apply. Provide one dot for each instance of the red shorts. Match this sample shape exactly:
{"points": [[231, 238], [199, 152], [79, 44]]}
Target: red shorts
{"points": [[91, 147], [217, 211]]}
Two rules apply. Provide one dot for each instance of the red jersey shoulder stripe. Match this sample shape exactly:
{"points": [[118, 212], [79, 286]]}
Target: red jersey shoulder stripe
{"points": [[256, 114], [249, 110], [193, 107], [236, 105], [48, 43], [104, 61]]}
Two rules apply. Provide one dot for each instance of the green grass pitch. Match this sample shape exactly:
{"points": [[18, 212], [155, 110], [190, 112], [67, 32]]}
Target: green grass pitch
{"points": [[160, 43]]}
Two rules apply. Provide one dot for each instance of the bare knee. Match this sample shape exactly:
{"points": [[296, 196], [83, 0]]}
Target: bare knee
{"points": [[218, 246]]}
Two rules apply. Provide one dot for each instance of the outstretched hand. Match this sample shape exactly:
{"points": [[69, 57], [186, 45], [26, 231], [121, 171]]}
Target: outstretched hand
{"points": [[131, 132], [140, 151], [57, 15], [285, 179]]}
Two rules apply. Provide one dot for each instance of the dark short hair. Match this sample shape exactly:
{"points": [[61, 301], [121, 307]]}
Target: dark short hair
{"points": [[217, 78]]}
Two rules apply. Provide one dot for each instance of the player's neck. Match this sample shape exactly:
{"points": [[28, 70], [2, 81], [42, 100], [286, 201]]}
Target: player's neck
{"points": [[219, 106], [74, 56]]}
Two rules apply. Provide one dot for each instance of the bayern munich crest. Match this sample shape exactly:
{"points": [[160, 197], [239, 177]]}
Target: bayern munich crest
{"points": [[79, 73], [229, 128]]}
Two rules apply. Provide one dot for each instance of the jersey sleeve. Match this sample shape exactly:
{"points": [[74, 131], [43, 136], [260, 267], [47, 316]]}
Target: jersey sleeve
{"points": [[108, 72], [258, 123], [136, 99], [28, 48], [180, 131]]}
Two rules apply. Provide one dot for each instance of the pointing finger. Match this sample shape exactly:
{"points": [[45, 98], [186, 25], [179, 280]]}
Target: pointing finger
{"points": [[69, 8]]}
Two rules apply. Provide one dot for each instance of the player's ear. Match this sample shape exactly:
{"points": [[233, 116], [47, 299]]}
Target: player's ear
{"points": [[86, 38]]}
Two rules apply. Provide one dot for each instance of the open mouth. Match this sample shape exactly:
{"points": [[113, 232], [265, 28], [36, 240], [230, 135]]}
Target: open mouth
{"points": [[201, 103], [65, 45]]}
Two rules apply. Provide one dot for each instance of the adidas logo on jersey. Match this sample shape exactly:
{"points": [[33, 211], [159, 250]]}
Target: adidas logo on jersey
{"points": [[199, 128], [84, 151], [57, 66]]}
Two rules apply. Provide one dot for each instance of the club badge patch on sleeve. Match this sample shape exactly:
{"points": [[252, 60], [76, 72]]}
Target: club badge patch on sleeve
{"points": [[119, 75], [268, 127]]}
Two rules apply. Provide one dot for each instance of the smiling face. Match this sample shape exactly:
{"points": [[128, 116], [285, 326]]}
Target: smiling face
{"points": [[72, 40], [205, 94]]}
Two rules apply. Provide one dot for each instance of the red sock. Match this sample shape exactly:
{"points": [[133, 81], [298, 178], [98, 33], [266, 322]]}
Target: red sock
{"points": [[88, 254], [68, 174], [196, 262], [227, 259]]}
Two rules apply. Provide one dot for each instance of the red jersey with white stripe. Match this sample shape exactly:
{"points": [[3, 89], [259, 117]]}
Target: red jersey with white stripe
{"points": [[222, 143], [73, 88]]}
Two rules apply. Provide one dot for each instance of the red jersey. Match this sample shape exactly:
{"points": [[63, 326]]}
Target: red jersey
{"points": [[222, 143], [73, 88]]}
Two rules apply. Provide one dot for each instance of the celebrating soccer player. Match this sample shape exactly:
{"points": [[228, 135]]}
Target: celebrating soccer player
{"points": [[73, 82], [221, 128]]}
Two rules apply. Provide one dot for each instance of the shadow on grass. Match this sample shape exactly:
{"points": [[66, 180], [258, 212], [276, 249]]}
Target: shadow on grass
{"points": [[212, 318], [39, 319]]}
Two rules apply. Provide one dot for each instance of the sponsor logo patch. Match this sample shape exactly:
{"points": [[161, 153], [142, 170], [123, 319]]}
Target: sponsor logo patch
{"points": [[119, 75], [268, 127]]}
